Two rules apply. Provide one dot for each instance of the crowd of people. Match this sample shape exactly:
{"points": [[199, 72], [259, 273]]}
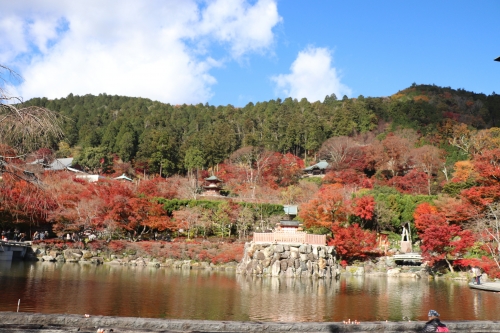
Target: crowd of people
{"points": [[16, 235], [40, 235]]}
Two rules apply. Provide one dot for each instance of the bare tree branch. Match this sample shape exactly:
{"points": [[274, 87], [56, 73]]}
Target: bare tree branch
{"points": [[23, 129]]}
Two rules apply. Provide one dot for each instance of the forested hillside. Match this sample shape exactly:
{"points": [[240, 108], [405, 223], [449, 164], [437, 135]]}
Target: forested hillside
{"points": [[425, 155], [175, 138]]}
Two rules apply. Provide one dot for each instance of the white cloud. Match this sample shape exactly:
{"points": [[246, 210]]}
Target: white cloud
{"points": [[312, 76], [159, 49], [244, 27]]}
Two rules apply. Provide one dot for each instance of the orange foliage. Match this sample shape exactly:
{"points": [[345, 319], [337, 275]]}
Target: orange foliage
{"points": [[421, 98], [397, 96], [326, 207], [427, 215], [464, 170]]}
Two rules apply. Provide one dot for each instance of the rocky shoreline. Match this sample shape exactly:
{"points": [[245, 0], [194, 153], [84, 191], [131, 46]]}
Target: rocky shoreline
{"points": [[264, 260], [97, 257], [55, 323]]}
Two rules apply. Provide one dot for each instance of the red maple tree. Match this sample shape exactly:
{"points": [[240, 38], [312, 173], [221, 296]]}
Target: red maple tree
{"points": [[352, 242]]}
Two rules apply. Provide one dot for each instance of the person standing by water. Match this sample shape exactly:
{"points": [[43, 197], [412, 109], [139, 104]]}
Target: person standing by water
{"points": [[434, 324], [476, 273]]}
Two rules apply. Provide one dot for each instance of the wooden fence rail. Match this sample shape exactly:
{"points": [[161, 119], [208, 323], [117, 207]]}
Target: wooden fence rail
{"points": [[288, 237]]}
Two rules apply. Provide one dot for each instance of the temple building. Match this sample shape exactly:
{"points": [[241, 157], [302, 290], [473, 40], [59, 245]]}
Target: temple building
{"points": [[213, 186], [316, 169]]}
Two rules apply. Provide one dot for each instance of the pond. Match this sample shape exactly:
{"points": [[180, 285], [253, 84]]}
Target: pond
{"points": [[47, 287]]}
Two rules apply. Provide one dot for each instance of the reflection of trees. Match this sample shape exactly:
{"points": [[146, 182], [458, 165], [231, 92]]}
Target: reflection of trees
{"points": [[286, 299], [405, 298], [203, 294]]}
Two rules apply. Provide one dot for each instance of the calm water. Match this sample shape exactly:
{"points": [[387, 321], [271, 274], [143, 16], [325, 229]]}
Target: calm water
{"points": [[168, 293]]}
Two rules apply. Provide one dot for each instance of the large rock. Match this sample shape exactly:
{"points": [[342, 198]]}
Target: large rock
{"points": [[266, 262], [54, 253], [290, 272], [305, 248], [285, 255], [283, 265], [268, 251], [86, 255], [39, 251], [97, 260], [186, 265], [276, 268], [74, 254], [394, 272], [321, 263], [48, 258], [168, 263], [259, 255]]}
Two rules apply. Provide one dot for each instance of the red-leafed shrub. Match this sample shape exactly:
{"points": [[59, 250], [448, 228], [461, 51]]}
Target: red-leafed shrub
{"points": [[364, 207], [117, 245], [414, 182], [205, 255], [352, 242], [96, 245]]}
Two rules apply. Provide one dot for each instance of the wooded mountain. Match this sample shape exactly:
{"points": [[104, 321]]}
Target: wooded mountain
{"points": [[156, 136]]}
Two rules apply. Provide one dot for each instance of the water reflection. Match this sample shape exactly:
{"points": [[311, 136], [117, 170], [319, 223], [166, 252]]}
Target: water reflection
{"points": [[167, 293]]}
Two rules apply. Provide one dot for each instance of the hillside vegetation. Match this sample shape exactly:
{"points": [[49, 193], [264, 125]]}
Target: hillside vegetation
{"points": [[154, 135], [426, 155]]}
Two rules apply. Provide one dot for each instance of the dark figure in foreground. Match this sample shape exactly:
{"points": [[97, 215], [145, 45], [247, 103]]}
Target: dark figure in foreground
{"points": [[434, 324]]}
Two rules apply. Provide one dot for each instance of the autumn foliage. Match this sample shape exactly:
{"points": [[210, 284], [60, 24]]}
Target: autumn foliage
{"points": [[364, 207], [325, 208], [352, 242]]}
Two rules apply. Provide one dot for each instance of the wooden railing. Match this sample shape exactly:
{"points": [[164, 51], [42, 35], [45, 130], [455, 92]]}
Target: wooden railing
{"points": [[289, 237]]}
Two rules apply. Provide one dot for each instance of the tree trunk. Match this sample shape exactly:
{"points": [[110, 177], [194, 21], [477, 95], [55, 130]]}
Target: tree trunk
{"points": [[449, 265]]}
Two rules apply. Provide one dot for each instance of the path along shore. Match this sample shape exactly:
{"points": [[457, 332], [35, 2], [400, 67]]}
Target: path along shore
{"points": [[56, 323]]}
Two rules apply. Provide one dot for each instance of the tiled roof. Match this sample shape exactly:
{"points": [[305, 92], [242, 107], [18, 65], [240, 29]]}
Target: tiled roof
{"points": [[124, 177], [322, 165], [56, 165]]}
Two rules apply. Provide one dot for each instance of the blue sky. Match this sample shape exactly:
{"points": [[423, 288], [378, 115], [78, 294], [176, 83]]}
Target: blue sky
{"points": [[236, 51]]}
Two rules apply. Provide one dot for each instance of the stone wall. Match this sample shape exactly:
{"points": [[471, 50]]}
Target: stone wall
{"points": [[55, 323], [45, 253], [291, 260]]}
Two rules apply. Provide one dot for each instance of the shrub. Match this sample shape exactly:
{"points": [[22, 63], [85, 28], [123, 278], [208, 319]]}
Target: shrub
{"points": [[117, 246]]}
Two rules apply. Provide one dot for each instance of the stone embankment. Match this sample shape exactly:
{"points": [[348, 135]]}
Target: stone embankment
{"points": [[290, 260], [43, 253], [56, 323]]}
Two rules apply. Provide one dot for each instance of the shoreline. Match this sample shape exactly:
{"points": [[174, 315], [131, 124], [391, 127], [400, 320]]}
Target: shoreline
{"points": [[38, 322]]}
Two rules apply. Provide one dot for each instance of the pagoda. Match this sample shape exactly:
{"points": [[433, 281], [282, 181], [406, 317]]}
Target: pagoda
{"points": [[213, 186]]}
